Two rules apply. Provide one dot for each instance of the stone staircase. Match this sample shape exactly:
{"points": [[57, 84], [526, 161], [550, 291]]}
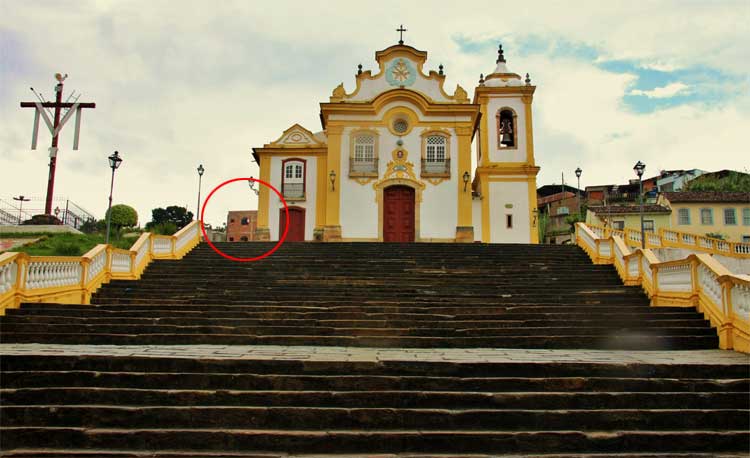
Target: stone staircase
{"points": [[181, 391], [380, 295]]}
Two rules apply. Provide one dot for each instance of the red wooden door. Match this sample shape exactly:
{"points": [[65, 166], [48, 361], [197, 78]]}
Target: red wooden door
{"points": [[296, 224], [398, 214]]}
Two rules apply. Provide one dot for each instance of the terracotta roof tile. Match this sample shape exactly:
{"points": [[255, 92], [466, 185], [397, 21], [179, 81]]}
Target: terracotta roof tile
{"points": [[630, 209], [707, 196]]}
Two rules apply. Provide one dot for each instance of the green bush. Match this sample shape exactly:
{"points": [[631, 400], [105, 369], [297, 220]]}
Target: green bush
{"points": [[166, 228]]}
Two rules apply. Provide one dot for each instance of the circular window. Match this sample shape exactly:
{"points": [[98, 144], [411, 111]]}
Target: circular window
{"points": [[400, 126]]}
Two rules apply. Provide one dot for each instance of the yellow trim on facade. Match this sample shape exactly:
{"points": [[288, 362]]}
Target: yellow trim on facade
{"points": [[464, 217], [533, 215], [527, 99], [321, 192], [333, 195], [263, 192], [486, 223]]}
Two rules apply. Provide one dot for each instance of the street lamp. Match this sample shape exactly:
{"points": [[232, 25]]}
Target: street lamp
{"points": [[466, 178], [198, 207], [332, 177], [639, 168], [578, 175], [21, 199], [114, 163], [251, 183]]}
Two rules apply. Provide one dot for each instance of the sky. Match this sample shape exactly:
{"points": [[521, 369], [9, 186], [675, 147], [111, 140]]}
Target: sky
{"points": [[183, 83]]}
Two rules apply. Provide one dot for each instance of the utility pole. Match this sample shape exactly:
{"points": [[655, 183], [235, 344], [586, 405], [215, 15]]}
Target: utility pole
{"points": [[55, 125]]}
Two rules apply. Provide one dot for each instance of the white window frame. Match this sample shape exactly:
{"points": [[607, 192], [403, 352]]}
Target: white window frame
{"points": [[683, 217], [727, 212]]}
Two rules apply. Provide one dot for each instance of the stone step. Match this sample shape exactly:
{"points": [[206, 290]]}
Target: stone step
{"points": [[639, 340], [551, 400], [377, 441], [14, 380], [328, 418]]}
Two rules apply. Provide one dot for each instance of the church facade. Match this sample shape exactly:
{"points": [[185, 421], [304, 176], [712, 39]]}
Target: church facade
{"points": [[393, 161]]}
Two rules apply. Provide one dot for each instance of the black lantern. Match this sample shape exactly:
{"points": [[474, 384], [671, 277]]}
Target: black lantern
{"points": [[466, 177], [332, 177], [115, 160]]}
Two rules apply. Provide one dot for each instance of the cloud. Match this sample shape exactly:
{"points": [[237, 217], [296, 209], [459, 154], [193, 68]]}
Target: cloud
{"points": [[670, 90], [178, 84]]}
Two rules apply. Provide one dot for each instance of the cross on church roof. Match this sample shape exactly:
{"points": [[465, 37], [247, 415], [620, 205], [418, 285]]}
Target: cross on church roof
{"points": [[401, 31]]}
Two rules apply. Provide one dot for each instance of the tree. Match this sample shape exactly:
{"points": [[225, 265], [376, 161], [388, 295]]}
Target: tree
{"points": [[123, 216], [179, 216], [733, 182]]}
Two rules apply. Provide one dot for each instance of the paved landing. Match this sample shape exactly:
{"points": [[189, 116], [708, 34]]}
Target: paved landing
{"points": [[362, 354]]}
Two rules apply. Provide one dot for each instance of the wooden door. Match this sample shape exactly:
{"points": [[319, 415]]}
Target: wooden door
{"points": [[398, 214], [296, 224]]}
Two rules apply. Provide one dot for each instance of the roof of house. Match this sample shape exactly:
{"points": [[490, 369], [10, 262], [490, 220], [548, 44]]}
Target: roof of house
{"points": [[707, 196], [550, 189], [554, 198], [629, 209]]}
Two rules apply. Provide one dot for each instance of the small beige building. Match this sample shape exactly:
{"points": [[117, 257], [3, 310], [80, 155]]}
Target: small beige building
{"points": [[709, 212], [622, 217]]}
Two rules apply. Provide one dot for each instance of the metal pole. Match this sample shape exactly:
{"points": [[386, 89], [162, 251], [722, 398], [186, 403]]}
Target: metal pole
{"points": [[20, 212], [198, 207], [53, 152], [109, 209], [643, 232], [65, 218], [579, 196]]}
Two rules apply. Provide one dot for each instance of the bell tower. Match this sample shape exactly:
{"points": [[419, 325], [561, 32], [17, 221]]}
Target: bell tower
{"points": [[506, 171]]}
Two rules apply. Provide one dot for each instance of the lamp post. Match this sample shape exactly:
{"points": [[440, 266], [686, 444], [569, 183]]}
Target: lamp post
{"points": [[639, 168], [198, 207], [114, 162], [251, 183], [578, 175], [332, 177], [21, 199], [466, 178]]}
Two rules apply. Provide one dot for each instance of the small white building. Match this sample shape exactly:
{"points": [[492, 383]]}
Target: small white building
{"points": [[394, 161]]}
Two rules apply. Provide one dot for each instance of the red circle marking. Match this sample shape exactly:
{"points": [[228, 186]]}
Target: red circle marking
{"points": [[267, 253]]}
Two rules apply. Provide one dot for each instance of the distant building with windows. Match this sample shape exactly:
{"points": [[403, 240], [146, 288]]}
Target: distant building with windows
{"points": [[622, 217], [241, 225], [675, 180], [710, 212]]}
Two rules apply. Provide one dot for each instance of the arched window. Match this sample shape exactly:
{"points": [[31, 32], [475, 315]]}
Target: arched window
{"points": [[293, 179], [506, 129], [435, 154], [363, 160]]}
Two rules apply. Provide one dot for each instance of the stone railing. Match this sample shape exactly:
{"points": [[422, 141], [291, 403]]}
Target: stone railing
{"points": [[73, 279], [668, 238], [696, 281]]}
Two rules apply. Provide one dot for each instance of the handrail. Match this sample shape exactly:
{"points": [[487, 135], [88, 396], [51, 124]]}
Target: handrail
{"points": [[73, 279], [695, 281], [670, 238]]}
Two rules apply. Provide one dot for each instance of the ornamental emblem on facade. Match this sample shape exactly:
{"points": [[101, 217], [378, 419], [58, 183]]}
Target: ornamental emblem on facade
{"points": [[401, 73]]}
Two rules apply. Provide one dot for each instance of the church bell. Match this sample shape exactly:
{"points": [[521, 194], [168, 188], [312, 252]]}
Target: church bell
{"points": [[506, 131]]}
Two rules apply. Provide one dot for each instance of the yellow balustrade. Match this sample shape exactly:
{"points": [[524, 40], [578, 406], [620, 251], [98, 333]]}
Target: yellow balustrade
{"points": [[696, 281], [73, 279], [669, 238]]}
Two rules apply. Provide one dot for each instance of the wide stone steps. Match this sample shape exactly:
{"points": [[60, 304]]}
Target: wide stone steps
{"points": [[219, 406]]}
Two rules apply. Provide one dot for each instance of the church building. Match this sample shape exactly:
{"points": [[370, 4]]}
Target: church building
{"points": [[393, 161]]}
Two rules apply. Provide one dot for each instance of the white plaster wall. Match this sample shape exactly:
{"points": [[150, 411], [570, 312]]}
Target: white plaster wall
{"points": [[516, 194], [476, 218], [507, 155], [371, 88], [359, 209], [439, 211], [274, 203]]}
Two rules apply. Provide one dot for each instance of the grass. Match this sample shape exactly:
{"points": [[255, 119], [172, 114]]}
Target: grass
{"points": [[68, 244]]}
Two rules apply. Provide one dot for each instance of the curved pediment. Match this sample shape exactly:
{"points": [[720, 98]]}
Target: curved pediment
{"points": [[400, 67], [296, 137]]}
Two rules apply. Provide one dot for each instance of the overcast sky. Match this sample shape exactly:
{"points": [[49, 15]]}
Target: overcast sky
{"points": [[180, 83]]}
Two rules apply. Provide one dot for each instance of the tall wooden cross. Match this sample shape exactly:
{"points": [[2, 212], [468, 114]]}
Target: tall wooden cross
{"points": [[54, 126], [401, 31]]}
